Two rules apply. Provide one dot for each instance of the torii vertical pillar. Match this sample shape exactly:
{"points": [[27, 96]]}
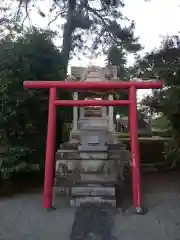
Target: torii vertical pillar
{"points": [[135, 155], [50, 152]]}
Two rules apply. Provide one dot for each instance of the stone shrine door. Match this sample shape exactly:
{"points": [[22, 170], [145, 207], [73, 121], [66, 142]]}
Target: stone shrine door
{"points": [[94, 111]]}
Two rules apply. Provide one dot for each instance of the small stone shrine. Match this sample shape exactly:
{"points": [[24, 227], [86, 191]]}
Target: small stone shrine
{"points": [[90, 165]]}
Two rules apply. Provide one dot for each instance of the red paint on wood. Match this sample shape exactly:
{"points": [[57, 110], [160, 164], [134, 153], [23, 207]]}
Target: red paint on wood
{"points": [[50, 151]]}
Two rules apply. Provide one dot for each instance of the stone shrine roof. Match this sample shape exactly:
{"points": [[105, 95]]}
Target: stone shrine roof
{"points": [[93, 74]]}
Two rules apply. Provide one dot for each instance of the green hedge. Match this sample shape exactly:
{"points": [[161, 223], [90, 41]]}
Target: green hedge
{"points": [[123, 135], [127, 135], [151, 150], [66, 131]]}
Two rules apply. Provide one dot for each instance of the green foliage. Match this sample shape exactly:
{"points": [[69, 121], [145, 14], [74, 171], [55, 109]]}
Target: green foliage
{"points": [[160, 123], [172, 154], [23, 117], [164, 63], [66, 131], [14, 159], [117, 56], [123, 135]]}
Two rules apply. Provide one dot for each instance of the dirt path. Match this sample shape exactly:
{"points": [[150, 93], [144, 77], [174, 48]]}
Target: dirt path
{"points": [[22, 217]]}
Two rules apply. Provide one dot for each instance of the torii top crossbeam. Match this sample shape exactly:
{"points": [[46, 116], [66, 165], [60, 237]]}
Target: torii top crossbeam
{"points": [[100, 86]]}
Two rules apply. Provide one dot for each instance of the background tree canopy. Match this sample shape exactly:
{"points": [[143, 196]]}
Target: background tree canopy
{"points": [[87, 26], [23, 117], [164, 63]]}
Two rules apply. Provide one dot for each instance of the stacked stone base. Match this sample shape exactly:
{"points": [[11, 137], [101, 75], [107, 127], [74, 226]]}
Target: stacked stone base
{"points": [[92, 194], [89, 177]]}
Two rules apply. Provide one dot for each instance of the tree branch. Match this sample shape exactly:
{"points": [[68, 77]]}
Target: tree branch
{"points": [[56, 17], [21, 2], [103, 20]]}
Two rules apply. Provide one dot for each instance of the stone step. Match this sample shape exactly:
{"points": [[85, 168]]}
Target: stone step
{"points": [[97, 177], [108, 183], [69, 158], [81, 155], [93, 190], [116, 146], [91, 166], [92, 148], [84, 183], [77, 151], [69, 146], [94, 129], [79, 201], [62, 155], [122, 154], [93, 155], [86, 165], [88, 169], [67, 151]]}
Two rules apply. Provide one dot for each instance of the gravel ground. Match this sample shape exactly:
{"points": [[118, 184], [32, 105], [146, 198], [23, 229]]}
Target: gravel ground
{"points": [[162, 196], [22, 217]]}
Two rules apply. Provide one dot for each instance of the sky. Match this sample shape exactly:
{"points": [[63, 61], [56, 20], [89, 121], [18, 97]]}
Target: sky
{"points": [[154, 19]]}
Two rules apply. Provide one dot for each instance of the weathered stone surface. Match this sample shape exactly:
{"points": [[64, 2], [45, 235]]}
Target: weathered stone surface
{"points": [[89, 166], [67, 155], [88, 123], [99, 177], [77, 71], [94, 156], [77, 202], [93, 190]]}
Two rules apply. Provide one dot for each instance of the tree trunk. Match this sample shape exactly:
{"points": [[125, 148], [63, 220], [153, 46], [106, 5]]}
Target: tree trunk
{"points": [[67, 35], [67, 45]]}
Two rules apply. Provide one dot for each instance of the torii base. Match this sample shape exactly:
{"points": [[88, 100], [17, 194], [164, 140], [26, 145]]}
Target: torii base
{"points": [[50, 209], [140, 210]]}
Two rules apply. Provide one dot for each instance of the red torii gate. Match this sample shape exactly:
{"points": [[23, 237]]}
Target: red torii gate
{"points": [[132, 86]]}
